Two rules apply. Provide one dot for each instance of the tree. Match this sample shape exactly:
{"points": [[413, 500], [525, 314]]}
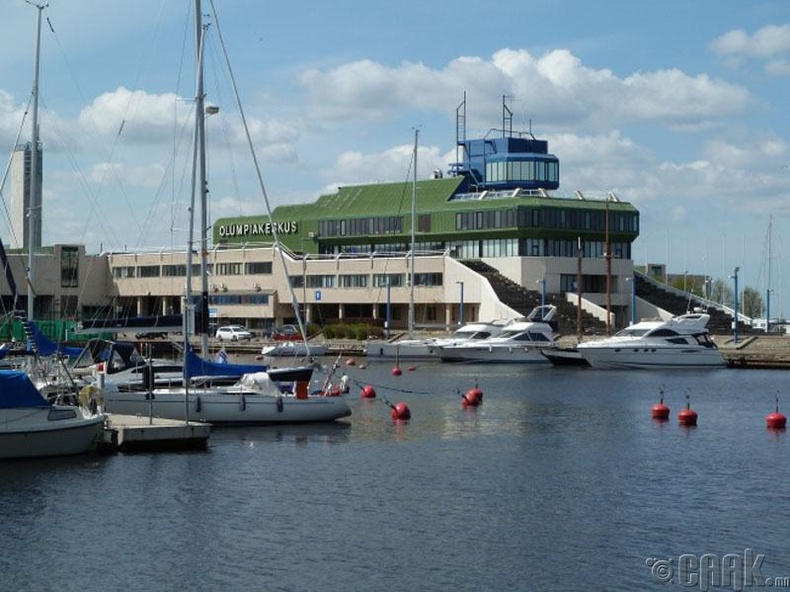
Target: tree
{"points": [[721, 291], [752, 303]]}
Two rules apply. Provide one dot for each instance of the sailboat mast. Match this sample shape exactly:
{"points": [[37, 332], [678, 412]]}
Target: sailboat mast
{"points": [[34, 208], [579, 288], [608, 256], [413, 232], [200, 125]]}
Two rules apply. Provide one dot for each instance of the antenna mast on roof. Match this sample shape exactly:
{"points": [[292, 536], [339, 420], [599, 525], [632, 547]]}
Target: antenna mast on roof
{"points": [[507, 118], [460, 129]]}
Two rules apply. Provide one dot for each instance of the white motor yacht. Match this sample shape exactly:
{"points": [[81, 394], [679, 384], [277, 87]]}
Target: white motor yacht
{"points": [[520, 342], [429, 347], [680, 342]]}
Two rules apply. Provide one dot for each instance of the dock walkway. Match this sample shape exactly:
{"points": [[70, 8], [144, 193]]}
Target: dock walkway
{"points": [[136, 433]]}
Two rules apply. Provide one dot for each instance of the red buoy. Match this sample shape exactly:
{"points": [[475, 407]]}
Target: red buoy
{"points": [[687, 417], [350, 362], [660, 411], [776, 420], [412, 368], [396, 371], [401, 411], [472, 398], [367, 392]]}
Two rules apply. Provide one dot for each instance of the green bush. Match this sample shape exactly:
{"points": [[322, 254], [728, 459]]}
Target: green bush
{"points": [[358, 331]]}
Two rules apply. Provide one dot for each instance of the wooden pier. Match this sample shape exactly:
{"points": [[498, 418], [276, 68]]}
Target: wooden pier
{"points": [[136, 433]]}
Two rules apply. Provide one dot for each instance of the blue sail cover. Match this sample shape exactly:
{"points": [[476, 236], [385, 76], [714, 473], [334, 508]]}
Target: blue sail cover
{"points": [[197, 366], [16, 390], [47, 347]]}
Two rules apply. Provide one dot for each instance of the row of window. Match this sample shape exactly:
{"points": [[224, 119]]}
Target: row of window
{"points": [[180, 270], [361, 226], [504, 247], [363, 280], [516, 217], [523, 170], [553, 218]]}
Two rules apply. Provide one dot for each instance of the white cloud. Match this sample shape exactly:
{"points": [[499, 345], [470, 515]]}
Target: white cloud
{"points": [[556, 86], [137, 116], [389, 166], [769, 41]]}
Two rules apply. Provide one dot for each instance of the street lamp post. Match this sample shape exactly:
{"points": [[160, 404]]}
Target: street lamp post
{"points": [[542, 283], [632, 279], [461, 313], [389, 308], [734, 276]]}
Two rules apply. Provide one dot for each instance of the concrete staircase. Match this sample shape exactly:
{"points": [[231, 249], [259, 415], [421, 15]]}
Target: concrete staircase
{"points": [[522, 300], [720, 321]]}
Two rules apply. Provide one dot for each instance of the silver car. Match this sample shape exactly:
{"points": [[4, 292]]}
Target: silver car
{"points": [[232, 333]]}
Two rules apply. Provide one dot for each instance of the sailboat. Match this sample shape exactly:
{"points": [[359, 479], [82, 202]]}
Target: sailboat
{"points": [[409, 347], [255, 398], [31, 426]]}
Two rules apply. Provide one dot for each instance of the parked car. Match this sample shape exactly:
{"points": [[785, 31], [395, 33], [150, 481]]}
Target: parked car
{"points": [[287, 333], [232, 333]]}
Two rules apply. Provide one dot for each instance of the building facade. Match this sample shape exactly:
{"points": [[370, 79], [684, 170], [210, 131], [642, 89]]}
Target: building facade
{"points": [[391, 252]]}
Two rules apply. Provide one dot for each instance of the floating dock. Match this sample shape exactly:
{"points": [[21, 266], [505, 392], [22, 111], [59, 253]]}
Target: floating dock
{"points": [[136, 433]]}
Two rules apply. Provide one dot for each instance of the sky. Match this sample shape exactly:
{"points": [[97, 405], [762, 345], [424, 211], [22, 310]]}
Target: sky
{"points": [[677, 107]]}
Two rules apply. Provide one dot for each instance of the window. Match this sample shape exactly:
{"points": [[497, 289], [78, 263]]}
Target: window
{"points": [[395, 280], [228, 268], [258, 268], [174, 270], [123, 272], [320, 281], [427, 279], [353, 280], [148, 271], [69, 267]]}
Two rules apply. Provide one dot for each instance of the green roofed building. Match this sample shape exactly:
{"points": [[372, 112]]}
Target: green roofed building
{"points": [[491, 238], [494, 217]]}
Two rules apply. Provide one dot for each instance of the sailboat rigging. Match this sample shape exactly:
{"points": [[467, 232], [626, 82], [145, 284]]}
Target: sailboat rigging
{"points": [[255, 398], [413, 231], [34, 211]]}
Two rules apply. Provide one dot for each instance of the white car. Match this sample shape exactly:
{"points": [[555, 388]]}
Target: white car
{"points": [[232, 333]]}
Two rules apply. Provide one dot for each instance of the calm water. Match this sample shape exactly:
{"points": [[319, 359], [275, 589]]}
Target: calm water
{"points": [[560, 481]]}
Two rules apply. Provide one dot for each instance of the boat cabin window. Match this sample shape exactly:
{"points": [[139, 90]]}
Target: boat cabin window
{"points": [[538, 336], [663, 332], [631, 332]]}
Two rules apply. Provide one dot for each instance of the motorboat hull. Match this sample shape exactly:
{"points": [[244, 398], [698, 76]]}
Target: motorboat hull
{"points": [[565, 356], [494, 354], [646, 357]]}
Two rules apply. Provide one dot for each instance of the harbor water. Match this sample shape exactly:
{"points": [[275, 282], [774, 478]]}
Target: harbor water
{"points": [[560, 480]]}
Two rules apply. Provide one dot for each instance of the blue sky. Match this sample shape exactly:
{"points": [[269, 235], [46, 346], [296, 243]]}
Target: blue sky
{"points": [[678, 107]]}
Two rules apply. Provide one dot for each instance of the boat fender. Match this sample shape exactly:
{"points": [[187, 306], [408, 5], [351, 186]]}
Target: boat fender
{"points": [[279, 404], [197, 404], [243, 403]]}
